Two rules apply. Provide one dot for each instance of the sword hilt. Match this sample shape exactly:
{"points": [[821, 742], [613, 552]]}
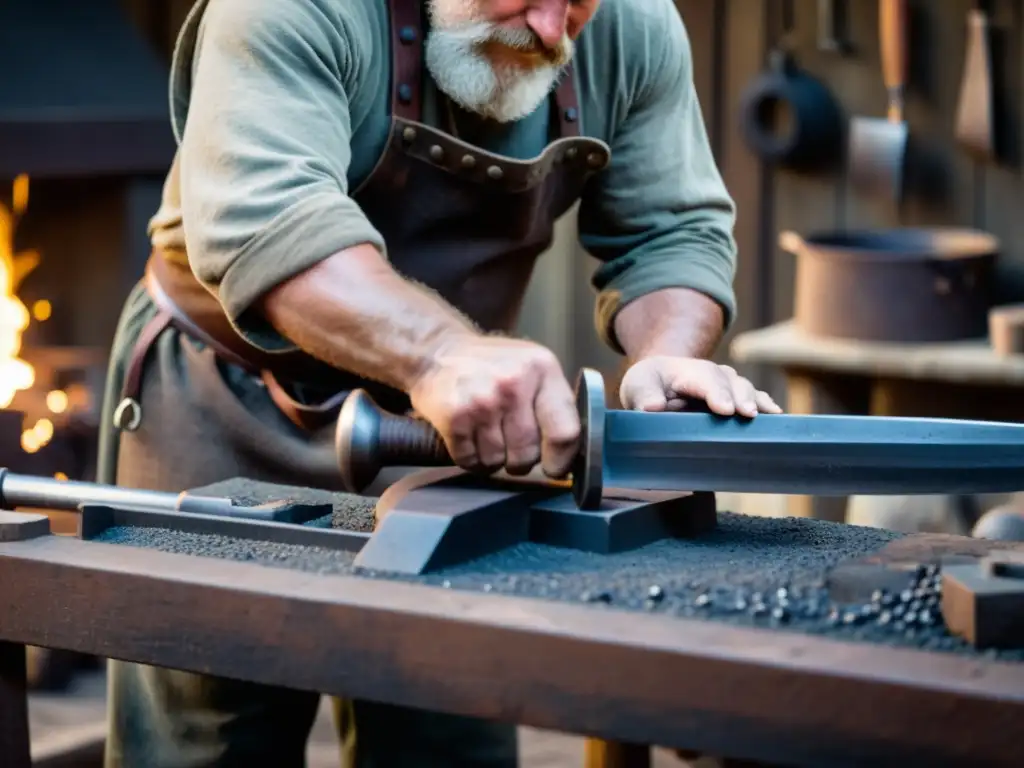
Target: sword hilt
{"points": [[368, 439]]}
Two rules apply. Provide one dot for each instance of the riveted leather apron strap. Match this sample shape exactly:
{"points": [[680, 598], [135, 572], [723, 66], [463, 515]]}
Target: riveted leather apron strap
{"points": [[568, 105], [406, 58]]}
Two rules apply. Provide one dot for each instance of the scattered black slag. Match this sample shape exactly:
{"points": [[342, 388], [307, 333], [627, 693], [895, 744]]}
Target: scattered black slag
{"points": [[751, 571]]}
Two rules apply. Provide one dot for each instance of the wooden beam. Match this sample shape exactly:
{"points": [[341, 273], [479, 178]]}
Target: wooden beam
{"points": [[628, 676]]}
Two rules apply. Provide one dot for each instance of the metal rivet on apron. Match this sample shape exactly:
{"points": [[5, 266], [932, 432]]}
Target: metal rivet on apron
{"points": [[405, 93], [407, 35], [570, 153], [409, 134], [571, 114], [468, 161], [495, 172], [436, 153], [128, 415], [595, 160]]}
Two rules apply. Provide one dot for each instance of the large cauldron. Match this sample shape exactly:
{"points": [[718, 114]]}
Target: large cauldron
{"points": [[899, 285]]}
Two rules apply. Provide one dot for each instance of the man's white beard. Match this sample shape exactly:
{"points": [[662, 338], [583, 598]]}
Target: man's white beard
{"points": [[467, 77]]}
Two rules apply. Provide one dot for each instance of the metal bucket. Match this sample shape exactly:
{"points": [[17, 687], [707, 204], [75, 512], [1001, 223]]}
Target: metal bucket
{"points": [[901, 285]]}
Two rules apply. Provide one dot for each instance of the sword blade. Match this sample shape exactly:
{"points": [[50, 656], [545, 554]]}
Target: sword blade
{"points": [[813, 455]]}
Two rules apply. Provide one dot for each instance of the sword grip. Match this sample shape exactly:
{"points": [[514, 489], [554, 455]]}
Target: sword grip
{"points": [[368, 438]]}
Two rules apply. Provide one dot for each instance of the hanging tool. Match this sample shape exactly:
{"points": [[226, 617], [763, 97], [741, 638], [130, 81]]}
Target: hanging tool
{"points": [[830, 32], [788, 117], [974, 119], [878, 146]]}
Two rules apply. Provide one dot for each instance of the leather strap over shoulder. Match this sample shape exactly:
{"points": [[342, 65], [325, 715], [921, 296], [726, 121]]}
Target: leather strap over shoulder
{"points": [[568, 106], [407, 58]]}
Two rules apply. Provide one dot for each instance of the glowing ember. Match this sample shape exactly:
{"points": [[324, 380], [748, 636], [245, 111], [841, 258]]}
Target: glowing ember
{"points": [[57, 401], [15, 374]]}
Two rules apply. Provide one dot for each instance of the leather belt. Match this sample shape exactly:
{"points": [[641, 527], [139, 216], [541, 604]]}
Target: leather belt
{"points": [[128, 415]]}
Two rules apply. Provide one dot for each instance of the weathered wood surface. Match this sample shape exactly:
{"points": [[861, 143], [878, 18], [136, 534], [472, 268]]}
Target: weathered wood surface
{"points": [[628, 676], [967, 362]]}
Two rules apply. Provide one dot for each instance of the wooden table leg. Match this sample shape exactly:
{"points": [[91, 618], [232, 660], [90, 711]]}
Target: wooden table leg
{"points": [[15, 749], [614, 754], [813, 392]]}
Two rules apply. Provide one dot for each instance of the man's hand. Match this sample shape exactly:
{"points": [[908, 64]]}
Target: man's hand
{"points": [[667, 383], [500, 403]]}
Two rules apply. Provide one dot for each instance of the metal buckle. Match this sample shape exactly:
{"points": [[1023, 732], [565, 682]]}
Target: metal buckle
{"points": [[128, 415]]}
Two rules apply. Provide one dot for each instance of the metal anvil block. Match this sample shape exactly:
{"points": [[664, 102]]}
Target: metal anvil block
{"points": [[435, 518], [983, 602]]}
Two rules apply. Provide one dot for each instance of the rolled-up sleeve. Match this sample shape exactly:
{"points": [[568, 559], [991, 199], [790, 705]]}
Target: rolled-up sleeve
{"points": [[265, 149], [660, 215]]}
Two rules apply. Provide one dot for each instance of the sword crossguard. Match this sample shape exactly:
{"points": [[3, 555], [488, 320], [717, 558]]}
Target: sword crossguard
{"points": [[367, 439]]}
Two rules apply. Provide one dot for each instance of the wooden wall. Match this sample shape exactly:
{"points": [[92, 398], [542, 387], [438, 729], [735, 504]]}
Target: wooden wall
{"points": [[731, 40]]}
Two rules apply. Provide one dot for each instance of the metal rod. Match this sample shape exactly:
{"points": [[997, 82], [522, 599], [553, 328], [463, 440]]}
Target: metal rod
{"points": [[48, 493], [28, 491]]}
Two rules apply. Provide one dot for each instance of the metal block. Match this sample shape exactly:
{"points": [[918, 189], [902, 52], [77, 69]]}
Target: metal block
{"points": [[18, 526], [984, 602], [95, 519], [440, 517], [621, 524]]}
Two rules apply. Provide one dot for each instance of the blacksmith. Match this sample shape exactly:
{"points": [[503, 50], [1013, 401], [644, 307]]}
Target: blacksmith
{"points": [[361, 190]]}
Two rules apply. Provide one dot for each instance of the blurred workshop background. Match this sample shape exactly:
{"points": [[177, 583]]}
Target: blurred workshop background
{"points": [[881, 254]]}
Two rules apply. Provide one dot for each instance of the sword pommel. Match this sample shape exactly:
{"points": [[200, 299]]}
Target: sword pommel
{"points": [[368, 439]]}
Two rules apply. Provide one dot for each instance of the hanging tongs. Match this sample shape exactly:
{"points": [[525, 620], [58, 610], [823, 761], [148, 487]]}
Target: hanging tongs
{"points": [[831, 30]]}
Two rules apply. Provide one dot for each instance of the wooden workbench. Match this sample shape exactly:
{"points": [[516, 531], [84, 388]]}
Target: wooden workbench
{"points": [[625, 675], [965, 380]]}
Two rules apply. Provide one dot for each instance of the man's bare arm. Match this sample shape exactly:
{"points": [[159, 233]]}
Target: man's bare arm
{"points": [[674, 322], [356, 313], [497, 402]]}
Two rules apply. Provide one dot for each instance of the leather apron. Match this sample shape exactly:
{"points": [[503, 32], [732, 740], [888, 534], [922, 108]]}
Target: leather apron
{"points": [[463, 221]]}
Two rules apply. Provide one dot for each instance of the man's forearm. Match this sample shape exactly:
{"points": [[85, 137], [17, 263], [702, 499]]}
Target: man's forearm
{"points": [[677, 322], [356, 313]]}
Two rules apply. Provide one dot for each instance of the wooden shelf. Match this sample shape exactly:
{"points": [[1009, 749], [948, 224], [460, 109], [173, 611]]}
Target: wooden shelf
{"points": [[968, 362]]}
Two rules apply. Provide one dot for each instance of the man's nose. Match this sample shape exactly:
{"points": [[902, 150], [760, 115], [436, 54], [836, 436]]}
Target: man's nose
{"points": [[546, 18]]}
